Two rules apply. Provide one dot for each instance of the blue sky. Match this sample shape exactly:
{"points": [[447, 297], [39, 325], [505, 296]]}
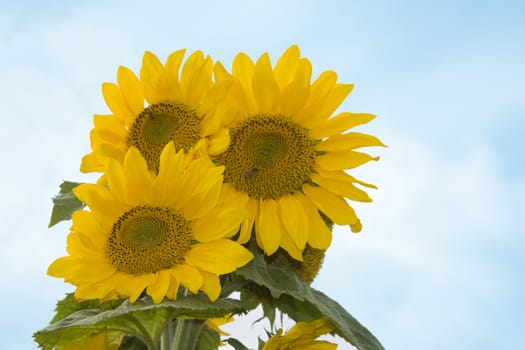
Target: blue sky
{"points": [[439, 263]]}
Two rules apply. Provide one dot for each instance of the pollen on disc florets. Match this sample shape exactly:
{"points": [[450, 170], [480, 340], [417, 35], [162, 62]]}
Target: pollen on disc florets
{"points": [[147, 239], [160, 123], [268, 156]]}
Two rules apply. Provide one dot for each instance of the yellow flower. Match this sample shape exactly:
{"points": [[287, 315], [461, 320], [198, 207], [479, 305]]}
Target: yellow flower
{"points": [[153, 232], [94, 342], [184, 110], [288, 154], [302, 336]]}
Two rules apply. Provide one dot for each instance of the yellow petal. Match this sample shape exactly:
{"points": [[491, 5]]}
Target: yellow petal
{"points": [[84, 222], [116, 103], [296, 94], [196, 78], [338, 124], [211, 285], [201, 189], [79, 245], [289, 245], [343, 160], [218, 223], [139, 180], [151, 76], [247, 225], [172, 73], [158, 289], [99, 200], [265, 89], [294, 220], [220, 256], [220, 73], [333, 100], [219, 142], [93, 163], [137, 284], [109, 122], [319, 91], [242, 69], [268, 226], [333, 206], [63, 267], [166, 185], [348, 141], [319, 234], [131, 90], [189, 276], [341, 188], [286, 66], [173, 288], [117, 180]]}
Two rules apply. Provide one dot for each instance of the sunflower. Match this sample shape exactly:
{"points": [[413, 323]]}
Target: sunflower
{"points": [[302, 335], [153, 232], [288, 153], [184, 110]]}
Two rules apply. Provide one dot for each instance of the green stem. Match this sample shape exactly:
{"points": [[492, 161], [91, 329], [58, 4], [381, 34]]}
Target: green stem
{"points": [[166, 337], [187, 334]]}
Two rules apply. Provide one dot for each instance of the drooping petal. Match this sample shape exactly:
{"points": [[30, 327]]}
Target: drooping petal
{"points": [[335, 207], [211, 285], [319, 234], [291, 248], [220, 256], [219, 223], [189, 277], [158, 289], [268, 226], [339, 187], [294, 220]]}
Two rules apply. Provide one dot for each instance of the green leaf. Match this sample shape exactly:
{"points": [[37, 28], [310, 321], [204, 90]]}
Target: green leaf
{"points": [[143, 319], [70, 304], [65, 203], [208, 339], [236, 344], [303, 303]]}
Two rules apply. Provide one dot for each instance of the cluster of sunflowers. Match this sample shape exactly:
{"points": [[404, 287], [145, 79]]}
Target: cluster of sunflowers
{"points": [[217, 194]]}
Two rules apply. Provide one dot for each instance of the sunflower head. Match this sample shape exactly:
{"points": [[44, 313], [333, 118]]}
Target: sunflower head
{"points": [[289, 154], [162, 106], [153, 232]]}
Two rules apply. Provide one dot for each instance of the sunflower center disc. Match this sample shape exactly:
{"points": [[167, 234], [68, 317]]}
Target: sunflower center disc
{"points": [[269, 156], [161, 123], [147, 239]]}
